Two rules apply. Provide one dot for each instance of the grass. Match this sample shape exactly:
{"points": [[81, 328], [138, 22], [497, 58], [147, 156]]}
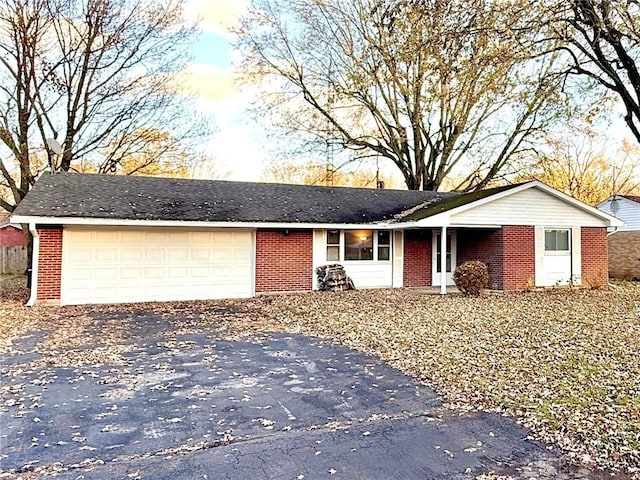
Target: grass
{"points": [[565, 363]]}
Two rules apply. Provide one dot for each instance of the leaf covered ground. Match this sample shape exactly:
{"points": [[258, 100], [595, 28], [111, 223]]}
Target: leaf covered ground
{"points": [[565, 363]]}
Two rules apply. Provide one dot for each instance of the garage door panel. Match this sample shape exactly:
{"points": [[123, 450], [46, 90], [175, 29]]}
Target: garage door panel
{"points": [[80, 274], [109, 273], [112, 265], [108, 237], [178, 254], [178, 272], [154, 254], [130, 273], [83, 255], [131, 254]]}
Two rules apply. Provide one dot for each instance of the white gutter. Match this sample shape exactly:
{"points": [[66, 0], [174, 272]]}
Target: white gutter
{"points": [[120, 222], [35, 253]]}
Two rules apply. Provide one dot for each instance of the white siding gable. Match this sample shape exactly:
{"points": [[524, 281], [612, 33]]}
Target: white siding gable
{"points": [[628, 212], [528, 207]]}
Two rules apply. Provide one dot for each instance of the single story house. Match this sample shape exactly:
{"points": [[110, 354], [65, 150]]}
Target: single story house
{"points": [[624, 241], [111, 239]]}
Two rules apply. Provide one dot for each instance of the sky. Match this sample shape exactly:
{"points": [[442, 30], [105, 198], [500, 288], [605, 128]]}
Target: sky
{"points": [[237, 144]]}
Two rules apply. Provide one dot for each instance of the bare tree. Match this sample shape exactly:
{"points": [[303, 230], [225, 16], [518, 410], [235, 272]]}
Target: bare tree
{"points": [[581, 163], [316, 173], [93, 74], [428, 85], [602, 38]]}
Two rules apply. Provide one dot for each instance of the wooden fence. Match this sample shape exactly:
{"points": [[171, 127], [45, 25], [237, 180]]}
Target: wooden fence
{"points": [[13, 259]]}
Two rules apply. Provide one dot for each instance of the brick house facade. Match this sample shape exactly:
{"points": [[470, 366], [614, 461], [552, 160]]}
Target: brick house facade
{"points": [[234, 239], [624, 241], [417, 258], [49, 263], [283, 260], [595, 263]]}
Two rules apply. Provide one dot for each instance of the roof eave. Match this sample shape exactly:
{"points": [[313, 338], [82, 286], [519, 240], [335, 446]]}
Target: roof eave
{"points": [[123, 222]]}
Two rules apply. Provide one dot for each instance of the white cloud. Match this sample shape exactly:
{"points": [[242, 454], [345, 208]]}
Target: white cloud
{"points": [[212, 83], [238, 144], [216, 16]]}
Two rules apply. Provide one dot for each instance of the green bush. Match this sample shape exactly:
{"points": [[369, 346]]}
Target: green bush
{"points": [[471, 277]]}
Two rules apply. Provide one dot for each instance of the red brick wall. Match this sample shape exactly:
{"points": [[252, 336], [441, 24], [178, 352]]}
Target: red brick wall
{"points": [[486, 246], [49, 262], [519, 256], [284, 262], [12, 237], [595, 261], [417, 258]]}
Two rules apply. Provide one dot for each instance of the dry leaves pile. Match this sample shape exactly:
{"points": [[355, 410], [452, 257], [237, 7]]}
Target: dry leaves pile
{"points": [[564, 363]]}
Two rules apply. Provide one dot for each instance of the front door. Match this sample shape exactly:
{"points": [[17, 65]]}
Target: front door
{"points": [[435, 257], [557, 257]]}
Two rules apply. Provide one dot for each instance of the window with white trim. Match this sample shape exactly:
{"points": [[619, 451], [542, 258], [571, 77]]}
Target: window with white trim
{"points": [[333, 245], [358, 245], [556, 240]]}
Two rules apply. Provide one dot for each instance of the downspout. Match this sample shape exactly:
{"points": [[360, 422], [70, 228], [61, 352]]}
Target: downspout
{"points": [[443, 260], [35, 253]]}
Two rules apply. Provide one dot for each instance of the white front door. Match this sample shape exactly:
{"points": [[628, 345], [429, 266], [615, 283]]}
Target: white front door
{"points": [[435, 257], [557, 257]]}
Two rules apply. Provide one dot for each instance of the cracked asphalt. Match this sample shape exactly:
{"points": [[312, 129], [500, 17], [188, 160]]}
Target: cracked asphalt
{"points": [[185, 403]]}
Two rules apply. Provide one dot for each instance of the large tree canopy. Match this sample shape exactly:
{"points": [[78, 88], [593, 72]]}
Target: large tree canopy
{"points": [[602, 38], [92, 74], [426, 84]]}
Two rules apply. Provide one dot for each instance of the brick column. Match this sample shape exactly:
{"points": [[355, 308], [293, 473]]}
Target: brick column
{"points": [[49, 262], [595, 260]]}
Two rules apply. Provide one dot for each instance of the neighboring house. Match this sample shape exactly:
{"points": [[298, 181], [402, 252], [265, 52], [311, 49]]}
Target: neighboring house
{"points": [[624, 241], [110, 239], [13, 251], [11, 235]]}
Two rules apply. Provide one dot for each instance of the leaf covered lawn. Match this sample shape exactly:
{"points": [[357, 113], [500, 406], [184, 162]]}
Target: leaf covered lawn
{"points": [[565, 363]]}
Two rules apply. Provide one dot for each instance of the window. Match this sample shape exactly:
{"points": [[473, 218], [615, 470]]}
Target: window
{"points": [[333, 245], [556, 240], [384, 245], [358, 245]]}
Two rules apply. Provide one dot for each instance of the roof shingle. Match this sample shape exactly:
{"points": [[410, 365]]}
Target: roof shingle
{"points": [[154, 198]]}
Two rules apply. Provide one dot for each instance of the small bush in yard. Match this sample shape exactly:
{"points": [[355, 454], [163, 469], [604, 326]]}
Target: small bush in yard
{"points": [[471, 277]]}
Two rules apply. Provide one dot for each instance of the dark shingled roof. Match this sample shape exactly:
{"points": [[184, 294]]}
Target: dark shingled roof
{"points": [[153, 198]]}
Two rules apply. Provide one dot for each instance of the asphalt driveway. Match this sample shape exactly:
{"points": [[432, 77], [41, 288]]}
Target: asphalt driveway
{"points": [[151, 396]]}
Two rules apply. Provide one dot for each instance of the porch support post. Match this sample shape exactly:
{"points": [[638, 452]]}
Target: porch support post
{"points": [[443, 260]]}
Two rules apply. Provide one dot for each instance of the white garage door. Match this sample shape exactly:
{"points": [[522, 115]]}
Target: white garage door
{"points": [[135, 265]]}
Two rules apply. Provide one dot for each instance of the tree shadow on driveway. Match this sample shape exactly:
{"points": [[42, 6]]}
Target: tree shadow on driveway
{"points": [[151, 396]]}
